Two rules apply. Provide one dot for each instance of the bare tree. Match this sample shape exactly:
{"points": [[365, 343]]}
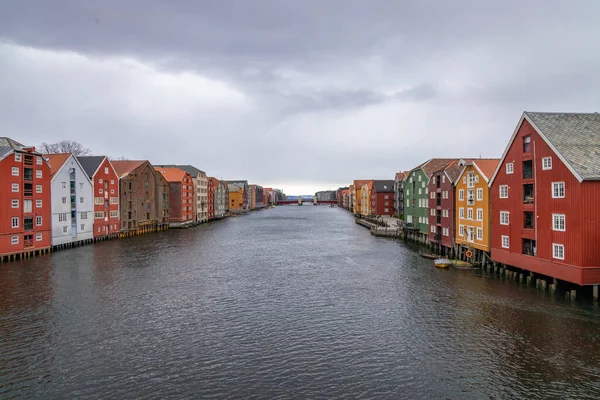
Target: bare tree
{"points": [[65, 146]]}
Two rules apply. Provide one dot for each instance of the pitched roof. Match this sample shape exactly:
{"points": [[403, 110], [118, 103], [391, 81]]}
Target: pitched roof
{"points": [[575, 137], [90, 164], [399, 176], [487, 166], [124, 167], [193, 171], [434, 164], [232, 187], [7, 145], [238, 182], [359, 182], [56, 161], [385, 186], [172, 174], [453, 171]]}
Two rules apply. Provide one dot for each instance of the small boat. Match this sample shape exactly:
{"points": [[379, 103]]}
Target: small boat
{"points": [[442, 262], [429, 256]]}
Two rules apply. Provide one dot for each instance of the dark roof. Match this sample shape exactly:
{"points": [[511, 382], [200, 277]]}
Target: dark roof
{"points": [[386, 186], [574, 136], [90, 164], [435, 164], [238, 182], [190, 169], [7, 145]]}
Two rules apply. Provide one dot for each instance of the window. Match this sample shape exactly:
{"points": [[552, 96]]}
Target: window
{"points": [[83, 215], [558, 190], [38, 188], [14, 203], [480, 214], [81, 185], [38, 220], [114, 213], [62, 217], [38, 237], [408, 192], [526, 144], [558, 251], [469, 213], [14, 239], [386, 197], [81, 199], [423, 184], [114, 200], [38, 204], [112, 181], [38, 174], [419, 178], [112, 191], [100, 191], [100, 181], [504, 217], [546, 163], [461, 195], [98, 200], [18, 157], [15, 171], [444, 180], [558, 222], [64, 200], [505, 242], [106, 170], [461, 230], [504, 191], [470, 197], [479, 234], [385, 210], [420, 192], [510, 168], [471, 179], [38, 160], [461, 212], [15, 222], [528, 220], [15, 187], [82, 227], [64, 185], [464, 179], [479, 194], [65, 228], [99, 214]]}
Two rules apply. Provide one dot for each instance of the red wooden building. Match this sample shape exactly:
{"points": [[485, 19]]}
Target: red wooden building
{"points": [[105, 181], [382, 198], [181, 196], [546, 196], [212, 184], [25, 205], [442, 207]]}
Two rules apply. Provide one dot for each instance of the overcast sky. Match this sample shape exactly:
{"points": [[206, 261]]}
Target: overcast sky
{"points": [[302, 95]]}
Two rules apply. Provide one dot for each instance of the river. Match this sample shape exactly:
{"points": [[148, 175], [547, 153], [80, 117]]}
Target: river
{"points": [[292, 302]]}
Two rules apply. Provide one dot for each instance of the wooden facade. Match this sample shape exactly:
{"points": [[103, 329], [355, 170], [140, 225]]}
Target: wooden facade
{"points": [[441, 205], [182, 200]]}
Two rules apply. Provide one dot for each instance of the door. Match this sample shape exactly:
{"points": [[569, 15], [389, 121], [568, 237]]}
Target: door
{"points": [[27, 206]]}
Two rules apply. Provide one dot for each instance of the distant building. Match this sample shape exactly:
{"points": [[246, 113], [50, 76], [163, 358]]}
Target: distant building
{"points": [[399, 193], [356, 196], [257, 199], [200, 190], [182, 201], [221, 196], [365, 198], [107, 221], [144, 197], [382, 197], [239, 196], [72, 200], [326, 195], [25, 199]]}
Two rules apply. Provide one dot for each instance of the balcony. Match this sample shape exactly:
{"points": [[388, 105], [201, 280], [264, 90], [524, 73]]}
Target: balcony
{"points": [[528, 220], [28, 159], [471, 200], [528, 194], [28, 174], [439, 219], [528, 169], [28, 189], [28, 223]]}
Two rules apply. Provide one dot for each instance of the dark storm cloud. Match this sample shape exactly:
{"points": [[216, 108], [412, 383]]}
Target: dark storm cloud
{"points": [[360, 88]]}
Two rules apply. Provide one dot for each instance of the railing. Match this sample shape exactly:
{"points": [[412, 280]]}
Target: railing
{"points": [[528, 199], [527, 173], [471, 201]]}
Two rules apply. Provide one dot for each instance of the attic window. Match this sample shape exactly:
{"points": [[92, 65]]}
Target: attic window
{"points": [[526, 144]]}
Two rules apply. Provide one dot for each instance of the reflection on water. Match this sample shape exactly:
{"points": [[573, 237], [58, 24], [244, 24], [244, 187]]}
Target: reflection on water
{"points": [[291, 302]]}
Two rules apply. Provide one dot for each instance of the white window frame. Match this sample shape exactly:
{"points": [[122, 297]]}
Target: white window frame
{"points": [[510, 168], [38, 220], [479, 234], [480, 214], [18, 157], [38, 173], [106, 170], [15, 188], [469, 213], [14, 203], [461, 231], [14, 240], [38, 203], [15, 171], [64, 200], [556, 246], [558, 185], [38, 237], [557, 218], [546, 163], [461, 195], [479, 194], [461, 213], [505, 242], [505, 187], [14, 222], [470, 179], [38, 160], [504, 214], [38, 188]]}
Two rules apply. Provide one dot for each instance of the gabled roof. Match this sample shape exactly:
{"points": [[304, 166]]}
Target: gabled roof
{"points": [[384, 186], [193, 171], [434, 164], [574, 137], [243, 183], [124, 167], [485, 167], [452, 171], [90, 164], [232, 187], [8, 145], [399, 176], [172, 174], [359, 182], [56, 161]]}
